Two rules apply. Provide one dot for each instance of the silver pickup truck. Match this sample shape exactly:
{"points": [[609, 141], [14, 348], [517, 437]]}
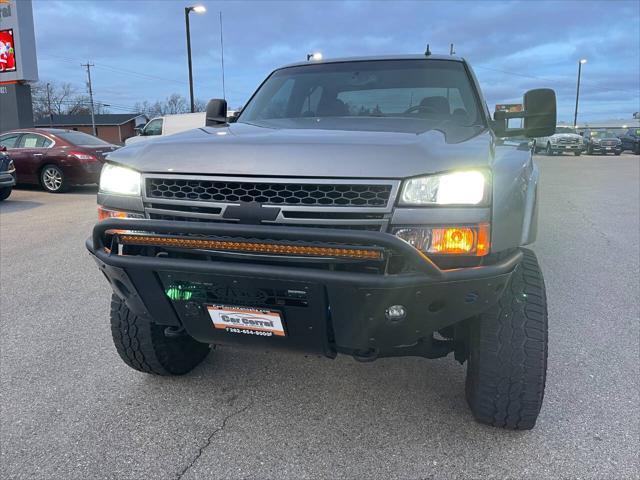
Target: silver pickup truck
{"points": [[367, 206], [565, 140]]}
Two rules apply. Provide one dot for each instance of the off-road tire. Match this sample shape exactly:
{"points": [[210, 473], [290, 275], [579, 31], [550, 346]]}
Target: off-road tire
{"points": [[144, 347], [4, 193], [507, 348]]}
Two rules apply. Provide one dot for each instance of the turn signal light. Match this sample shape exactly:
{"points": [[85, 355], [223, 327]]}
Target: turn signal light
{"points": [[252, 247], [452, 240], [104, 213], [460, 240]]}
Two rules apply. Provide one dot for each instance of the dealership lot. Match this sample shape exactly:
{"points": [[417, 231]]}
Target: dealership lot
{"points": [[72, 409]]}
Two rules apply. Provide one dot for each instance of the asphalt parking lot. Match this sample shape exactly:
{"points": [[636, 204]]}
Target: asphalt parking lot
{"points": [[71, 409]]}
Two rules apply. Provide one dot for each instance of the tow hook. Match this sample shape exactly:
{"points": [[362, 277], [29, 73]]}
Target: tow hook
{"points": [[174, 332]]}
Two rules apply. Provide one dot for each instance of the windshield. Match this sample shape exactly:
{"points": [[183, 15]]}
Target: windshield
{"points": [[82, 139], [437, 93], [565, 130], [603, 134]]}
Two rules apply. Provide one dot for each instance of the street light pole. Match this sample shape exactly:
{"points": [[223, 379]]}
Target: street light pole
{"points": [[187, 11], [575, 115]]}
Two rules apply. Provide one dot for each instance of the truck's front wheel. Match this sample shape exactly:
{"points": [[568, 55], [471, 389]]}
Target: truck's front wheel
{"points": [[144, 346], [507, 364]]}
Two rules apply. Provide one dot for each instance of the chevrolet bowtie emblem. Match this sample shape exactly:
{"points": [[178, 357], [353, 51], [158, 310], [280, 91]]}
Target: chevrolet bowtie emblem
{"points": [[251, 213]]}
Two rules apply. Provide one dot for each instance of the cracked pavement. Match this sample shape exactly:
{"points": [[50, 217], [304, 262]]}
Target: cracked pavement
{"points": [[69, 407]]}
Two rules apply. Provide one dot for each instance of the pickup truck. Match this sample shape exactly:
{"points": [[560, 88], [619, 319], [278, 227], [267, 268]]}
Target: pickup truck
{"points": [[564, 140], [368, 207]]}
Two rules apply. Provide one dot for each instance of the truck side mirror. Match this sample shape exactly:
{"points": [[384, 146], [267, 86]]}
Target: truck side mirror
{"points": [[539, 115], [216, 114], [540, 108]]}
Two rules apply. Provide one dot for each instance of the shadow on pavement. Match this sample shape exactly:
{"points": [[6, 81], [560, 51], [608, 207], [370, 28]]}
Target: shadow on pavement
{"points": [[10, 206]]}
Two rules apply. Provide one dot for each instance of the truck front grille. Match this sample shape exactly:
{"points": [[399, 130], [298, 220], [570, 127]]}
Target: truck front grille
{"points": [[306, 202], [303, 194]]}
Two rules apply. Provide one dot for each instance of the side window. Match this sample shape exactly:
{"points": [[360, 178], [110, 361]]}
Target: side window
{"points": [[32, 140], [154, 127], [9, 141]]}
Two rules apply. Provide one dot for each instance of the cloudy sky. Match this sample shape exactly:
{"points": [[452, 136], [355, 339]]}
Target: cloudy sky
{"points": [[138, 46]]}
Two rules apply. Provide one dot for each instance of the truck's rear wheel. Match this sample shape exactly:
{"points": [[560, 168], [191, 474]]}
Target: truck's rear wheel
{"points": [[144, 346], [507, 364]]}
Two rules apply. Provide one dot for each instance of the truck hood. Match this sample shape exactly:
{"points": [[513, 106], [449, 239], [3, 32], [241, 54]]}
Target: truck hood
{"points": [[328, 150], [567, 135]]}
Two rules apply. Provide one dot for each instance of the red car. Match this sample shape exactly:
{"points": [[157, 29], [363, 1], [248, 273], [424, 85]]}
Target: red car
{"points": [[54, 158]]}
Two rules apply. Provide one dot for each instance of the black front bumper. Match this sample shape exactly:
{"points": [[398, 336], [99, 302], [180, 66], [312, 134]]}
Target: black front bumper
{"points": [[324, 311], [606, 148]]}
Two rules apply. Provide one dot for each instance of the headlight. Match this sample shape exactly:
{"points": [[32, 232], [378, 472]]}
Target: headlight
{"points": [[553, 139], [457, 188], [119, 180]]}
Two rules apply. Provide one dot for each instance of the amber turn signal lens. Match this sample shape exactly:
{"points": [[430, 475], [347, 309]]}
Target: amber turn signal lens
{"points": [[460, 240], [104, 213], [252, 247]]}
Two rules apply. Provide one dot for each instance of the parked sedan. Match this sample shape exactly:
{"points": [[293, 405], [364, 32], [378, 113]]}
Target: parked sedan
{"points": [[56, 159], [631, 140], [7, 175], [602, 141]]}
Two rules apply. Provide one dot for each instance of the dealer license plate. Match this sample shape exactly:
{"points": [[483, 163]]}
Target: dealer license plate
{"points": [[246, 320]]}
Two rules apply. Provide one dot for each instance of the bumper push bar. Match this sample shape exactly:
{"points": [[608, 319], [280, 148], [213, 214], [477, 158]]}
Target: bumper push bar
{"points": [[324, 310]]}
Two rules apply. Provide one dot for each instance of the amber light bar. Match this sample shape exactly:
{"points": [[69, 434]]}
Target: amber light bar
{"points": [[252, 247]]}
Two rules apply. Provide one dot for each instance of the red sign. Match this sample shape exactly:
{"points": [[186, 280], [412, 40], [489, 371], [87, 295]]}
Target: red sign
{"points": [[7, 51], [509, 107]]}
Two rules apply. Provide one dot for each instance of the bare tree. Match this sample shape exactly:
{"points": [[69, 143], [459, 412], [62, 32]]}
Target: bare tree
{"points": [[172, 105], [60, 99]]}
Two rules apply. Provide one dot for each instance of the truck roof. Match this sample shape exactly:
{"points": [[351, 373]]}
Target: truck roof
{"points": [[377, 57]]}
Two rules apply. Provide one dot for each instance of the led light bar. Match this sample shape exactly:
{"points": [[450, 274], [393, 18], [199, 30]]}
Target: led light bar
{"points": [[251, 247]]}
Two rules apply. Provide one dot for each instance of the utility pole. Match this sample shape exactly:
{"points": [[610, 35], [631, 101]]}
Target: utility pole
{"points": [[93, 116], [49, 105]]}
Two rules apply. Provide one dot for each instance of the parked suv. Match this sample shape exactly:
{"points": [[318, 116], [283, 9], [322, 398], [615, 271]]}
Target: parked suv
{"points": [[366, 207], [602, 142], [631, 140], [564, 140]]}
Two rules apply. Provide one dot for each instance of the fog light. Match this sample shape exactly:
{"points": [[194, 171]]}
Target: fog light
{"points": [[395, 313]]}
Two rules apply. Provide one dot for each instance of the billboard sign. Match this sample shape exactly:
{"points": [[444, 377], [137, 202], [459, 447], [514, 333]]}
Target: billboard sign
{"points": [[7, 51], [18, 60]]}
